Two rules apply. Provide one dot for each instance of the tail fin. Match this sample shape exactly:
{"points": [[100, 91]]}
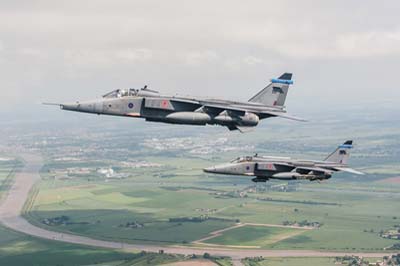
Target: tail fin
{"points": [[275, 93], [341, 154]]}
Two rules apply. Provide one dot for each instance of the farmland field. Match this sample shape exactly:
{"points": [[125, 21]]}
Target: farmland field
{"points": [[351, 213], [294, 262], [19, 250], [8, 166], [146, 185], [256, 236]]}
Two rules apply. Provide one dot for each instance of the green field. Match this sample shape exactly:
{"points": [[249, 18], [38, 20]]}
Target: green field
{"points": [[173, 202], [349, 211], [99, 211], [257, 236], [292, 262], [19, 250], [7, 172]]}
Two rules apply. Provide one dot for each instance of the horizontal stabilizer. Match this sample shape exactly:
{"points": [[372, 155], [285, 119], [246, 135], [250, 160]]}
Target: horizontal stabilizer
{"points": [[244, 129], [349, 170], [284, 115]]}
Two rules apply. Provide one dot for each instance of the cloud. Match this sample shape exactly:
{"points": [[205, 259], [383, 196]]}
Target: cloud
{"points": [[135, 55], [62, 49], [349, 45], [367, 44], [252, 60], [196, 58]]}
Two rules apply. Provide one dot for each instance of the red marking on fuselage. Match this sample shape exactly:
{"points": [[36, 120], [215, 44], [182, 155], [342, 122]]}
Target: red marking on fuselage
{"points": [[164, 103]]}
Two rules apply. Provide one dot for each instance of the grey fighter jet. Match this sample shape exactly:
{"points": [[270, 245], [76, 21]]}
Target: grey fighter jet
{"points": [[153, 106], [263, 168]]}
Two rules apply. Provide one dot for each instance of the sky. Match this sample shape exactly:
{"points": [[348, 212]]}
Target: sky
{"points": [[341, 52]]}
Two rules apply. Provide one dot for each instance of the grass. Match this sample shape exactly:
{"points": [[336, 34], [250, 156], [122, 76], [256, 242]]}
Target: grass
{"points": [[7, 172], [296, 261], [105, 206], [105, 224], [291, 262], [254, 236], [19, 250], [145, 197]]}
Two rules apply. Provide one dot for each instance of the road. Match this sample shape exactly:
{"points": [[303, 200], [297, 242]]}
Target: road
{"points": [[10, 216]]}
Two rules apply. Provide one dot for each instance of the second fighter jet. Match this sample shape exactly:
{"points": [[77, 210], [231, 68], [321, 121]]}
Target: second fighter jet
{"points": [[263, 168]]}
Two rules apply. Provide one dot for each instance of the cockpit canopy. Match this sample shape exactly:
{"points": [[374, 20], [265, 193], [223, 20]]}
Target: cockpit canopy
{"points": [[131, 92], [242, 159], [120, 93]]}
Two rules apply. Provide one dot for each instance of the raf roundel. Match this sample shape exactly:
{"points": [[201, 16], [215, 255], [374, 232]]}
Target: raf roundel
{"points": [[130, 105]]}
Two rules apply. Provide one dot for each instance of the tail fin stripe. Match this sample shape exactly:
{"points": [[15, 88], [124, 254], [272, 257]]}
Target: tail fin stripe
{"points": [[282, 81], [346, 146]]}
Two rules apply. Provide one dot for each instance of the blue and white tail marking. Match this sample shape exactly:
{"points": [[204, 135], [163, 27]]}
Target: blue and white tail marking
{"points": [[341, 154], [275, 93]]}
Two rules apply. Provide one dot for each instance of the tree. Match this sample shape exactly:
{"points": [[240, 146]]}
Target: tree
{"points": [[207, 255]]}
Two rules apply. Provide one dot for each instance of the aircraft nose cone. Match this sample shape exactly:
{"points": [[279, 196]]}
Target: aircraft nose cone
{"points": [[70, 106], [86, 107], [210, 169], [219, 169]]}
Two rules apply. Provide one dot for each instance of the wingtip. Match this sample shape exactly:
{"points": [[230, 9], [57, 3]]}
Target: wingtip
{"points": [[300, 119]]}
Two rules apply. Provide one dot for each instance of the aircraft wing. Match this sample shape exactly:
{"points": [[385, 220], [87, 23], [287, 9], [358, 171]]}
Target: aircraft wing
{"points": [[242, 111], [348, 170], [316, 170], [211, 107], [244, 129], [284, 115], [183, 100], [220, 108]]}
